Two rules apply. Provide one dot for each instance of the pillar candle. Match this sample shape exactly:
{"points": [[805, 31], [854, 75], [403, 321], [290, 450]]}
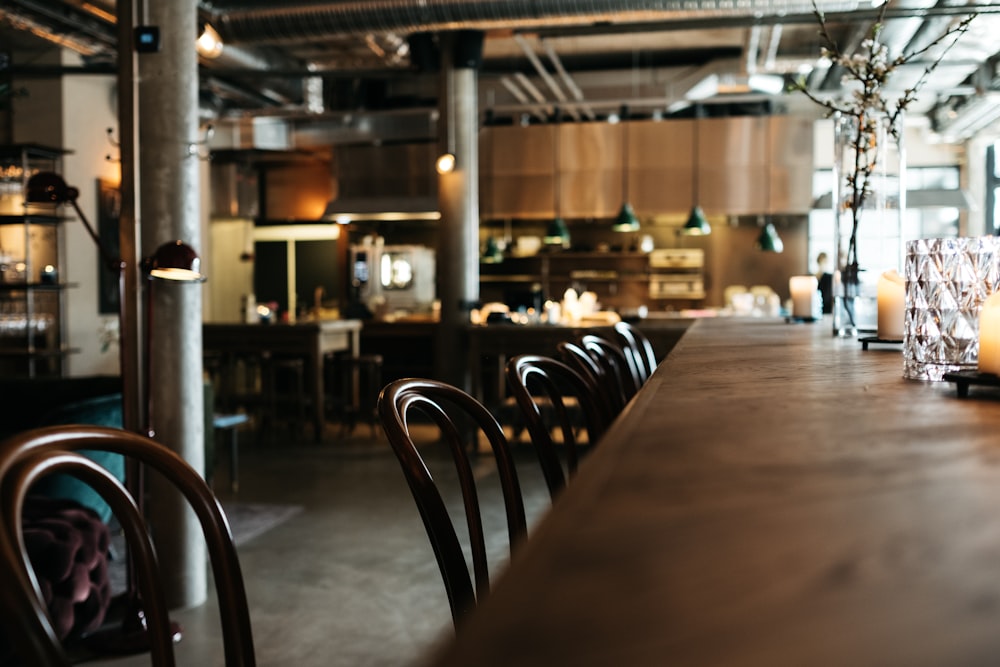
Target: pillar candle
{"points": [[891, 310], [989, 335], [803, 289]]}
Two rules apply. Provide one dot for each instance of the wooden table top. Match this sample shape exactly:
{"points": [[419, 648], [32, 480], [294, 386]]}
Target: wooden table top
{"points": [[773, 496]]}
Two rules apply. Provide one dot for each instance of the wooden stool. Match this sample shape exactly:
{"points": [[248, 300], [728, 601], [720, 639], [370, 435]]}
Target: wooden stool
{"points": [[223, 423], [285, 386], [363, 373]]}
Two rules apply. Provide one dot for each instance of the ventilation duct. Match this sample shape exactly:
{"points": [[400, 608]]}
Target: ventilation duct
{"points": [[355, 17]]}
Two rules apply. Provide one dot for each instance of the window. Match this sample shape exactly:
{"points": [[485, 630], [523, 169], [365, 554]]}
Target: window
{"points": [[879, 246]]}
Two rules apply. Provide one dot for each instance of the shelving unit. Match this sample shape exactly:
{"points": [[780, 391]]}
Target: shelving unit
{"points": [[620, 279], [32, 343]]}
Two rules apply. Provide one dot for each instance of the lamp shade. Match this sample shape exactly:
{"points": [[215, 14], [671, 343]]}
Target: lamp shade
{"points": [[175, 260], [626, 220], [47, 187], [557, 233], [696, 224], [769, 241]]}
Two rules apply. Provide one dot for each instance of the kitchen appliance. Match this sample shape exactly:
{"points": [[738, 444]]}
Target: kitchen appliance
{"points": [[396, 277]]}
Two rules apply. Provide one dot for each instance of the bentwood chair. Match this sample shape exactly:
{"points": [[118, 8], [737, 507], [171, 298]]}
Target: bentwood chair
{"points": [[583, 363], [642, 349], [536, 382], [453, 411], [618, 364], [26, 457]]}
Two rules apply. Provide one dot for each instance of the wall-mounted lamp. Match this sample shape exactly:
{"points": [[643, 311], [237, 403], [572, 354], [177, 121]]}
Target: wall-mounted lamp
{"points": [[696, 224], [209, 43], [445, 164], [174, 261]]}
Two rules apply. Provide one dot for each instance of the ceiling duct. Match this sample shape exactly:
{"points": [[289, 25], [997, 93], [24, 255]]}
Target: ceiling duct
{"points": [[283, 23]]}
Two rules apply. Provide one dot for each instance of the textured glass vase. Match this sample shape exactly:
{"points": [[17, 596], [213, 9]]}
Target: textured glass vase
{"points": [[947, 281]]}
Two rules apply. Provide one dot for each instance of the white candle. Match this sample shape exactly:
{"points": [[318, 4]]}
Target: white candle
{"points": [[803, 289], [891, 309], [989, 335]]}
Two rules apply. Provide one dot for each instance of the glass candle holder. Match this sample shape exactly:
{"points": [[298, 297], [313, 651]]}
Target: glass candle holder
{"points": [[947, 281]]}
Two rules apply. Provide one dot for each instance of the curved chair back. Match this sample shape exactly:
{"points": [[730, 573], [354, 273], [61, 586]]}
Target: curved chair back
{"points": [[642, 348], [447, 406], [534, 377], [583, 363], [28, 456], [618, 365]]}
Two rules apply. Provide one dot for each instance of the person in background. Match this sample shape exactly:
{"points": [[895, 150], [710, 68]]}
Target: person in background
{"points": [[825, 278]]}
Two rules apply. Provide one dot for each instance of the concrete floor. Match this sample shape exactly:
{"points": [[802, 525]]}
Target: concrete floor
{"points": [[351, 579]]}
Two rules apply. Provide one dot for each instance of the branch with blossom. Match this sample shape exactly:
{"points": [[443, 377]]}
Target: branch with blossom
{"points": [[866, 75]]}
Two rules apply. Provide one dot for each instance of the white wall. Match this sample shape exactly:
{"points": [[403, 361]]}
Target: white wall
{"points": [[90, 111], [74, 112]]}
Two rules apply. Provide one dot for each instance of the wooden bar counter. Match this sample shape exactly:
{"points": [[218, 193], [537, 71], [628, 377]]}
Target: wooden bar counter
{"points": [[774, 496]]}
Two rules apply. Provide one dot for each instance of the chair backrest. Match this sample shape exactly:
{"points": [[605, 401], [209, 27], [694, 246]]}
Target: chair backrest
{"points": [[533, 377], [618, 364], [583, 363], [28, 456], [452, 410], [642, 348]]}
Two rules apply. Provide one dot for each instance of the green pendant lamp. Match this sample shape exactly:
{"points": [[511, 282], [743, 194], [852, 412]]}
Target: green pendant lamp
{"points": [[696, 224], [557, 233], [769, 241], [626, 220]]}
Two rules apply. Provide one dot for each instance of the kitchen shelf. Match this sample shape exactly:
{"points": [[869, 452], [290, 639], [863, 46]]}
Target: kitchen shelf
{"points": [[32, 340]]}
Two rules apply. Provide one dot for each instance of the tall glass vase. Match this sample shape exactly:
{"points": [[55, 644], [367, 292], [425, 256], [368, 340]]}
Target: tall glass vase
{"points": [[869, 201]]}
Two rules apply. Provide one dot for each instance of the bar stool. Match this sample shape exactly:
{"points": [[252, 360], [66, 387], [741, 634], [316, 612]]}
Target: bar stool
{"points": [[284, 389], [360, 381]]}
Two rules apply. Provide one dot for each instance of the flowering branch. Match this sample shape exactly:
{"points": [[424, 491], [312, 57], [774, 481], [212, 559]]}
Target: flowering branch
{"points": [[867, 75]]}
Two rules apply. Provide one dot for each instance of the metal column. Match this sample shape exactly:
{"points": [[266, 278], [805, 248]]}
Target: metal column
{"points": [[169, 185], [458, 198]]}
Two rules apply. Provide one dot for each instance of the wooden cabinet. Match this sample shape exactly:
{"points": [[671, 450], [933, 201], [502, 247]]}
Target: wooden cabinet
{"points": [[32, 342]]}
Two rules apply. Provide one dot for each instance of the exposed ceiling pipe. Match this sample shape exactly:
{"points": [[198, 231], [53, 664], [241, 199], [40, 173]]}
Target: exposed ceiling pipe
{"points": [[519, 95], [770, 57], [69, 29], [533, 91], [751, 50], [544, 74], [567, 80], [282, 23]]}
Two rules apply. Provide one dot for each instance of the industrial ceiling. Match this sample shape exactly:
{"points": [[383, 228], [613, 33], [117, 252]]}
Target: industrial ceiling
{"points": [[542, 59]]}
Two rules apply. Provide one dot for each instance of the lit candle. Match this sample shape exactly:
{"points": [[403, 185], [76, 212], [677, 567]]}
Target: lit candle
{"points": [[803, 289], [989, 335], [891, 311]]}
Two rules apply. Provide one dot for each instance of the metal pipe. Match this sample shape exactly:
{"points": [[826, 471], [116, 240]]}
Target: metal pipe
{"points": [[280, 23], [543, 73]]}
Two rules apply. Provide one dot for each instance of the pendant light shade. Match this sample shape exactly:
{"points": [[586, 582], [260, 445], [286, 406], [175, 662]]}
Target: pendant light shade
{"points": [[769, 241], [175, 260], [696, 224], [626, 220], [557, 233]]}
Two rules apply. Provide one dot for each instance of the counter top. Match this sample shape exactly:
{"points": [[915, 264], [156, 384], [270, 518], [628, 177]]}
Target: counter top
{"points": [[773, 496]]}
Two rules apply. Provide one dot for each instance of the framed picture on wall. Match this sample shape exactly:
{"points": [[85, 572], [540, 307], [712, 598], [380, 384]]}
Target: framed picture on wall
{"points": [[109, 206]]}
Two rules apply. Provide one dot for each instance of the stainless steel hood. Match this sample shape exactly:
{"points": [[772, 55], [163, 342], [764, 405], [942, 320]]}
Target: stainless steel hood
{"points": [[384, 182]]}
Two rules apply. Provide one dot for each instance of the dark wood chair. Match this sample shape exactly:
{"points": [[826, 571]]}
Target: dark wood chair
{"points": [[458, 416], [577, 358], [641, 347], [545, 385], [618, 364], [28, 456]]}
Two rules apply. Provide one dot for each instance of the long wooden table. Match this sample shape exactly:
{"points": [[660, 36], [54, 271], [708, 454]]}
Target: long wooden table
{"points": [[773, 496], [308, 340]]}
